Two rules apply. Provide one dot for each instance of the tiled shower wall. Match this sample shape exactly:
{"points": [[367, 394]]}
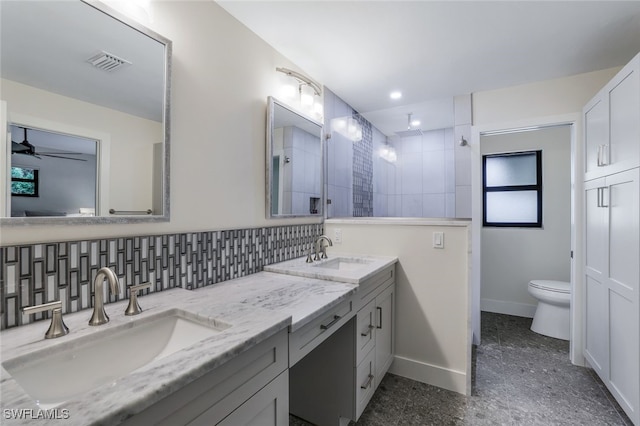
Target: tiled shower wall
{"points": [[41, 273], [363, 170]]}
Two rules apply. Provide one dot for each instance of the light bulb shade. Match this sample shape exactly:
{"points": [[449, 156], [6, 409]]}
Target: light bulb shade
{"points": [[287, 92], [306, 96], [388, 153], [347, 127]]}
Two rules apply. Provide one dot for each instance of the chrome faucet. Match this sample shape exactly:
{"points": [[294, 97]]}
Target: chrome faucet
{"points": [[99, 316], [321, 248]]}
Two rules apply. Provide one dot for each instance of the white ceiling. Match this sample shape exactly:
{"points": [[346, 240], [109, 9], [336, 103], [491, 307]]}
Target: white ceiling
{"points": [[434, 50], [46, 44]]}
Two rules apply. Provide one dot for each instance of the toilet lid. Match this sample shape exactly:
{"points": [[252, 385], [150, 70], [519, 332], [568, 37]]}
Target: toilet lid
{"points": [[550, 285]]}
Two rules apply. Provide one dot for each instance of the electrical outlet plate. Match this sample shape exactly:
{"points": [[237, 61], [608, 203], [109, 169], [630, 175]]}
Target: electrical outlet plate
{"points": [[337, 236]]}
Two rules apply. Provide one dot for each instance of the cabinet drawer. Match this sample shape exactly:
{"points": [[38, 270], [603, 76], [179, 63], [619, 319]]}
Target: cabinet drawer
{"points": [[365, 330], [368, 289], [222, 390], [365, 382], [311, 335]]}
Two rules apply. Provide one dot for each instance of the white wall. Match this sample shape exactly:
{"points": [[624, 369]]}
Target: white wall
{"points": [[221, 76], [546, 102], [511, 257], [432, 313]]}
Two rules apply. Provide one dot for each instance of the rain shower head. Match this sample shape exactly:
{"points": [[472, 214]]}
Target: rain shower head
{"points": [[410, 130]]}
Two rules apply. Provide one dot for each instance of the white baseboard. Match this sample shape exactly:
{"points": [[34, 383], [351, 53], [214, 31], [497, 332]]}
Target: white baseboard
{"points": [[509, 308], [441, 377]]}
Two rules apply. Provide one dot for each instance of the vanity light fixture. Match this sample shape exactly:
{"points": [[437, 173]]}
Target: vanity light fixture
{"points": [[388, 153], [309, 92]]}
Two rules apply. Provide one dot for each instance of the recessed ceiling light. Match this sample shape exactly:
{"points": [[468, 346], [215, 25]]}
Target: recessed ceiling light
{"points": [[395, 95]]}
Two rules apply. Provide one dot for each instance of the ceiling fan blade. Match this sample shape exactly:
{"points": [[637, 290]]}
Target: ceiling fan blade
{"points": [[18, 148], [61, 156]]}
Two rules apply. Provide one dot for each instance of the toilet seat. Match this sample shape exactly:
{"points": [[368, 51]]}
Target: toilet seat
{"points": [[552, 285]]}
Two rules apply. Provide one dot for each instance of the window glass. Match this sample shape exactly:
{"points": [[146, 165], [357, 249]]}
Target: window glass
{"points": [[512, 189], [511, 170]]}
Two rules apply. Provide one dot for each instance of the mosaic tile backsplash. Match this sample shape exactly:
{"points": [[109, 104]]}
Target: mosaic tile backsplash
{"points": [[41, 273]]}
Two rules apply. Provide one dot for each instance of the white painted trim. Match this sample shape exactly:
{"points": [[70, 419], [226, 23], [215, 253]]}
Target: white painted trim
{"points": [[574, 119], [509, 308], [435, 375]]}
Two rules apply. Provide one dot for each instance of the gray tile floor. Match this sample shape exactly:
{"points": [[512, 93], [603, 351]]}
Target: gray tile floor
{"points": [[520, 378]]}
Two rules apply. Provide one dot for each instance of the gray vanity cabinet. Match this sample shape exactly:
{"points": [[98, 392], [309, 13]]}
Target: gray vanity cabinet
{"points": [[334, 382], [374, 335], [251, 388]]}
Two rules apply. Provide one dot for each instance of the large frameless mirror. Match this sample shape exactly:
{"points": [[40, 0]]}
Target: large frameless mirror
{"points": [[294, 163], [85, 115]]}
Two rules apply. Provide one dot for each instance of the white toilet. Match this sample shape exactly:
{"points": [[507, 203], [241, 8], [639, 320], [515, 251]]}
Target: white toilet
{"points": [[552, 317]]}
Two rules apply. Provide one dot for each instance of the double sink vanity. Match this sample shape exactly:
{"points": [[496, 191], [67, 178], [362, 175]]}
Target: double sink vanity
{"points": [[313, 339]]}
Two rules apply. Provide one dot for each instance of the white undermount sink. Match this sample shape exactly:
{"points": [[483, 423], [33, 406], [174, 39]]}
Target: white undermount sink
{"points": [[343, 263], [90, 362]]}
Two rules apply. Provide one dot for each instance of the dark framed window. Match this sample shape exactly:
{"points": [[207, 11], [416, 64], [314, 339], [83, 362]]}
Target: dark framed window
{"points": [[512, 189], [24, 181]]}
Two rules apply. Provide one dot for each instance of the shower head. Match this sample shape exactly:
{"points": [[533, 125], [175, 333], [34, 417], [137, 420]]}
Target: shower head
{"points": [[410, 131]]}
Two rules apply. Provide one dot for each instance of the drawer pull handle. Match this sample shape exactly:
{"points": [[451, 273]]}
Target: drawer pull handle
{"points": [[369, 328], [336, 318], [368, 382], [379, 316]]}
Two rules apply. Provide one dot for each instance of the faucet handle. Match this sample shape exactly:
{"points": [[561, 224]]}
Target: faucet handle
{"points": [[57, 328], [309, 257], [134, 308]]}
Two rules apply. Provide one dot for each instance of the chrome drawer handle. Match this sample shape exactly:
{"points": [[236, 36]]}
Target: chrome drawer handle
{"points": [[336, 318], [369, 328], [368, 382]]}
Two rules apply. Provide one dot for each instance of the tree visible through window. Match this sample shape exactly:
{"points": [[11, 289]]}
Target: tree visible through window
{"points": [[512, 189], [24, 182]]}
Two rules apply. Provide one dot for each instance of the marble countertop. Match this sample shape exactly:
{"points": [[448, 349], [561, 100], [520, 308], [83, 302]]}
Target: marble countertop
{"points": [[257, 307], [360, 267]]}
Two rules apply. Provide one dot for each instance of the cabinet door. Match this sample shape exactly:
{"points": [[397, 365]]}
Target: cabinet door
{"points": [[365, 382], [612, 280], [596, 135], [612, 125], [268, 407], [624, 119], [623, 289], [596, 348], [365, 330], [385, 310]]}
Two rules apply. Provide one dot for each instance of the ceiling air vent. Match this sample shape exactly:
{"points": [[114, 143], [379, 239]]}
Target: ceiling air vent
{"points": [[107, 62]]}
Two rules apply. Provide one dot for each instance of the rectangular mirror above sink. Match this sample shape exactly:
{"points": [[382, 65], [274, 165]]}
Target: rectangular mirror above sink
{"points": [[294, 163], [84, 116]]}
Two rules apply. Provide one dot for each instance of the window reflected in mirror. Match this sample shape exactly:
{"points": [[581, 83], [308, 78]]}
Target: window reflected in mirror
{"points": [[52, 174]]}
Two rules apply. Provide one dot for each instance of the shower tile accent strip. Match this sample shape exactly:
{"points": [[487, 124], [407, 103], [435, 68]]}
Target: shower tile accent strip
{"points": [[363, 170], [41, 273]]}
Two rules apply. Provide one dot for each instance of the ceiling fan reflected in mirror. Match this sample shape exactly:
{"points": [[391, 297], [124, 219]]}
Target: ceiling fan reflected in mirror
{"points": [[27, 148]]}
